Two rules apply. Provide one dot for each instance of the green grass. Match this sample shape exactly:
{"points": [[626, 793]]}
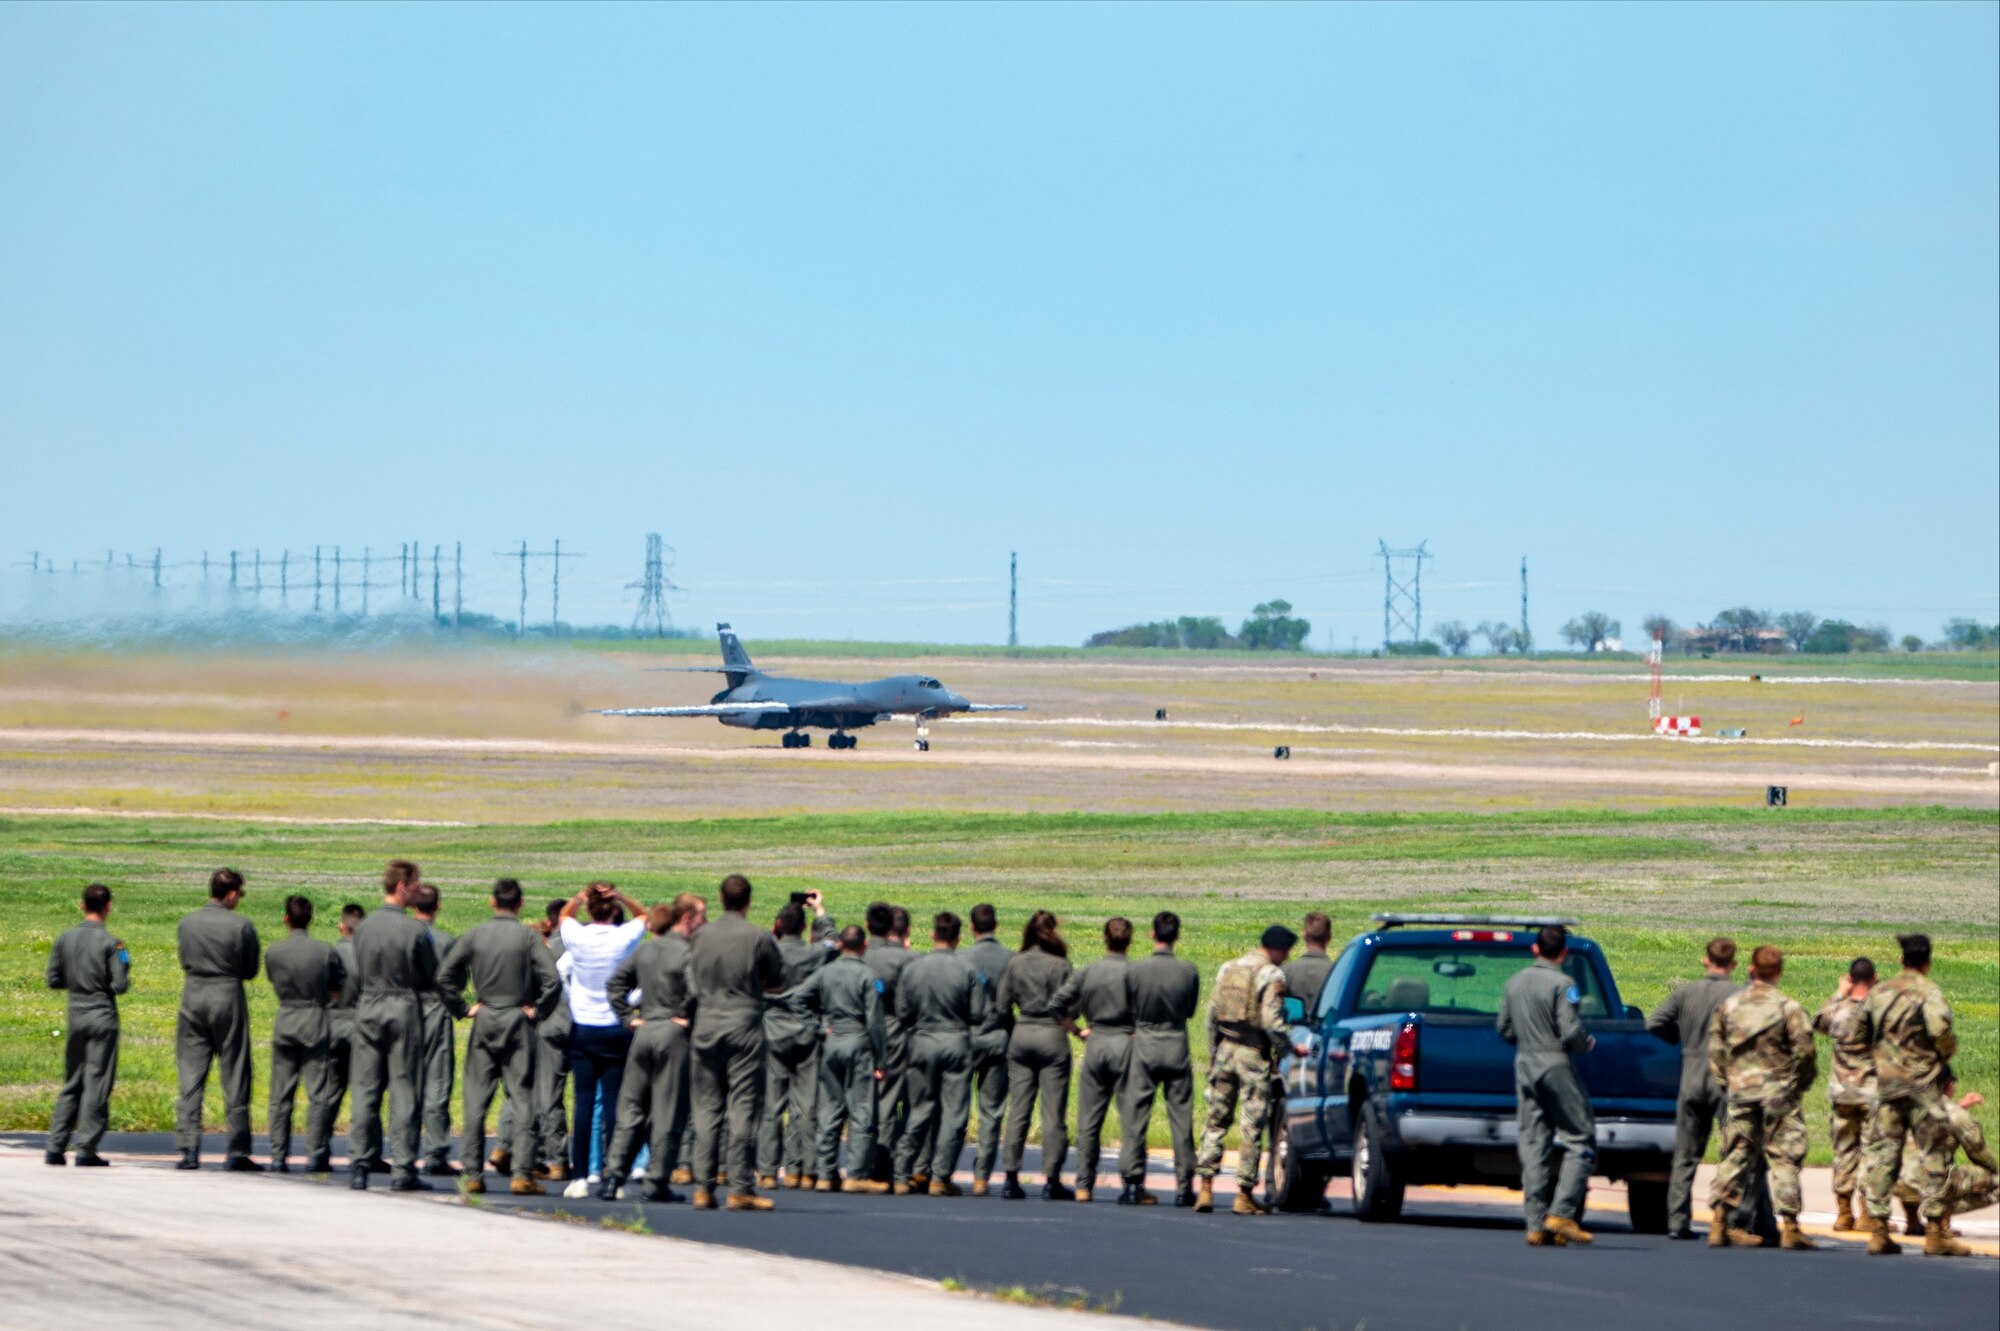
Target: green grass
{"points": [[1823, 884]]}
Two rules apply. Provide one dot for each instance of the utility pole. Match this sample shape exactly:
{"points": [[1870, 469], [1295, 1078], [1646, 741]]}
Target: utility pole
{"points": [[204, 570], [521, 625], [315, 579], [1526, 641], [367, 576], [336, 580], [555, 592], [156, 568], [232, 573], [437, 552], [457, 582], [652, 588], [403, 570], [524, 554], [1402, 598], [257, 574], [284, 578], [1013, 597]]}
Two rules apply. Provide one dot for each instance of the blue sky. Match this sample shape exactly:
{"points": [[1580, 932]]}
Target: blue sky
{"points": [[1691, 305]]}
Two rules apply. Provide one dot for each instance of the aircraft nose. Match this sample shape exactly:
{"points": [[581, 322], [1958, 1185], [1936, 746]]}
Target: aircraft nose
{"points": [[955, 702]]}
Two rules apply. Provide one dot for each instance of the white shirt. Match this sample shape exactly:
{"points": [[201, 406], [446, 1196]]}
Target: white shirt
{"points": [[593, 952]]}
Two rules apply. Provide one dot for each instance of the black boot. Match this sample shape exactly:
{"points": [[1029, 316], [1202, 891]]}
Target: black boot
{"points": [[441, 1169], [408, 1183], [242, 1164], [1184, 1198], [189, 1160], [1130, 1196], [1683, 1234], [319, 1164], [357, 1178], [278, 1166], [91, 1160], [662, 1193], [607, 1187], [1012, 1190], [54, 1158], [1054, 1191], [380, 1167]]}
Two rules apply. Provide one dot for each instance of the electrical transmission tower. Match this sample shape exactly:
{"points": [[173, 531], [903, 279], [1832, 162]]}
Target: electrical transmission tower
{"points": [[1403, 597], [653, 588]]}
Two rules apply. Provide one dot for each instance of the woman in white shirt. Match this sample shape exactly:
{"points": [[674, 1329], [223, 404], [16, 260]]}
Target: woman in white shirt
{"points": [[597, 1041]]}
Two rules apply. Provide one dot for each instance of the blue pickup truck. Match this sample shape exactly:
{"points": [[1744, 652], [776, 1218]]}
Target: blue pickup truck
{"points": [[1408, 1083]]}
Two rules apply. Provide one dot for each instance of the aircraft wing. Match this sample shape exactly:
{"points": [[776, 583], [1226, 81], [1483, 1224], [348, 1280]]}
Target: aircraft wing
{"points": [[710, 709], [693, 670], [997, 707]]}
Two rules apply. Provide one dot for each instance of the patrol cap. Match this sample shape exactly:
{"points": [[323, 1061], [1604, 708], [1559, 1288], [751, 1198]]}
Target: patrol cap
{"points": [[1280, 937]]}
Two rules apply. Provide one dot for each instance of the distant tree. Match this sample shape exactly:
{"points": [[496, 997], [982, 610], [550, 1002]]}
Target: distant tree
{"points": [[1423, 648], [1912, 643], [1203, 633], [1971, 635], [1589, 630], [1837, 636], [1455, 636], [1271, 628], [1659, 626], [1798, 626], [1743, 619], [1874, 638], [1501, 637]]}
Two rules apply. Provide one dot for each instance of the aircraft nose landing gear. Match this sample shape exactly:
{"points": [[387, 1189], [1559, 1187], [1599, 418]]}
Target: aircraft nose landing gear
{"points": [[923, 744]]}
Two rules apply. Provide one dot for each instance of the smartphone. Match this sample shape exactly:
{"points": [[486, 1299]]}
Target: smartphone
{"points": [[801, 898]]}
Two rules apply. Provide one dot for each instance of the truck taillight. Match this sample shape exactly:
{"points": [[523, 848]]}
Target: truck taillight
{"points": [[1481, 936], [1403, 1059]]}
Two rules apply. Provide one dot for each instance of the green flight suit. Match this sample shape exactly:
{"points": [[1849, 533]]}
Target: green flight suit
{"points": [[1099, 994], [1165, 994], [654, 1095], [1037, 1058], [844, 999], [395, 961], [1538, 1016], [732, 964], [94, 968], [940, 1002], [305, 973], [791, 1060], [439, 1058], [989, 957], [218, 952], [887, 960], [510, 971]]}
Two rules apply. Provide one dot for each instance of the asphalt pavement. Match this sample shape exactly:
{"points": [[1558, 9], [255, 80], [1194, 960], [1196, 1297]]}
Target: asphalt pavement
{"points": [[1446, 1265]]}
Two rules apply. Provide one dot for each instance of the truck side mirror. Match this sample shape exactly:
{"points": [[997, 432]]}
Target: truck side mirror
{"points": [[1634, 1013], [1295, 1011]]}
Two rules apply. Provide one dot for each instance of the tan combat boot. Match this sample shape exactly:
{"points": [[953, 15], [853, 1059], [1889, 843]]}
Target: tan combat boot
{"points": [[472, 1185], [1083, 1195], [681, 1176], [1541, 1238], [797, 1181], [1571, 1231], [1879, 1242], [1721, 1235], [920, 1182], [900, 1189], [944, 1187], [527, 1187], [1791, 1238], [747, 1201], [1938, 1241], [1248, 1205], [867, 1185], [768, 1182], [704, 1199], [1843, 1212], [979, 1187], [1204, 1196], [827, 1185], [502, 1160]]}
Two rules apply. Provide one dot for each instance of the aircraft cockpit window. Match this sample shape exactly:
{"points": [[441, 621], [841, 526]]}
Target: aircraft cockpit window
{"points": [[931, 684]]}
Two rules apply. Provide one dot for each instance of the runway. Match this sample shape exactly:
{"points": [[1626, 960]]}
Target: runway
{"points": [[1447, 1266]]}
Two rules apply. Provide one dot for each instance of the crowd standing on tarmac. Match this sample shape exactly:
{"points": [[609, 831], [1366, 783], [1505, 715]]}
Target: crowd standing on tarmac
{"points": [[721, 1053]]}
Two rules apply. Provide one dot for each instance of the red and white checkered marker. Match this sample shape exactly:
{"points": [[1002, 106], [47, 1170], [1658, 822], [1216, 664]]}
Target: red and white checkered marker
{"points": [[1678, 725]]}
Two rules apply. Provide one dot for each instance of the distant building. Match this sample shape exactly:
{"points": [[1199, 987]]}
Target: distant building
{"points": [[1708, 641]]}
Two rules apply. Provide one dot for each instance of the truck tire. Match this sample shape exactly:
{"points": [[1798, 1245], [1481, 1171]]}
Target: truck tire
{"points": [[1378, 1193], [1297, 1184], [1646, 1203]]}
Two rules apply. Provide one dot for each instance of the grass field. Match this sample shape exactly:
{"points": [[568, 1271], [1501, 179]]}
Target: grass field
{"points": [[1652, 887]]}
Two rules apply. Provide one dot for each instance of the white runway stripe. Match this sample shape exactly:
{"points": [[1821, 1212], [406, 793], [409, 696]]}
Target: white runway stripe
{"points": [[1467, 732]]}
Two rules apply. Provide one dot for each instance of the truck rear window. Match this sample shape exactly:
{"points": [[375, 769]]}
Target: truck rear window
{"points": [[1455, 979]]}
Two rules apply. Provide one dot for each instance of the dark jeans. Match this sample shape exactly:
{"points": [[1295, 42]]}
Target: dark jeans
{"points": [[596, 1059]]}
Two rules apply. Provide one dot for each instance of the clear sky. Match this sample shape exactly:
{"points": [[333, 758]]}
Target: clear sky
{"points": [[1691, 305]]}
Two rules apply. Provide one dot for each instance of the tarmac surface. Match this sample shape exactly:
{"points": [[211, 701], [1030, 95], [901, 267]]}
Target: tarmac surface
{"points": [[1448, 1265]]}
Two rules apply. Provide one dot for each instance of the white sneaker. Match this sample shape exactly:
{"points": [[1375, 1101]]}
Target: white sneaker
{"points": [[639, 1174], [581, 1187]]}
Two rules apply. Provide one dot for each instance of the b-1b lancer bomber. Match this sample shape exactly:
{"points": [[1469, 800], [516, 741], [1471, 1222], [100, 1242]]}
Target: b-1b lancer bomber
{"points": [[757, 701]]}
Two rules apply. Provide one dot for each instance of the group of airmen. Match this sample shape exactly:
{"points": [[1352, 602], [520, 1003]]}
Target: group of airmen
{"points": [[1748, 1060], [753, 1051]]}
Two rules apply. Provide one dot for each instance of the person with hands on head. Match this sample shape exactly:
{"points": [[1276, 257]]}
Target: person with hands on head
{"points": [[93, 968], [1850, 1088], [655, 1091], [1539, 1017], [844, 998], [598, 1041]]}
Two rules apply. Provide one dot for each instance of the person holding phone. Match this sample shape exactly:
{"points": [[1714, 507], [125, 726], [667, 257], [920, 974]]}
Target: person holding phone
{"points": [[791, 1048]]}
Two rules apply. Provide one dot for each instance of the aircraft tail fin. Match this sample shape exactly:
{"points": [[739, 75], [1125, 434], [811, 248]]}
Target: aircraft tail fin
{"points": [[734, 659]]}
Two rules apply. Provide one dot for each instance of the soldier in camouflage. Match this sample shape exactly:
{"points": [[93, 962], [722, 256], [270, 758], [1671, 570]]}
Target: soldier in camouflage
{"points": [[1247, 1035], [1760, 1050], [1852, 1088], [1968, 1187], [1908, 1025]]}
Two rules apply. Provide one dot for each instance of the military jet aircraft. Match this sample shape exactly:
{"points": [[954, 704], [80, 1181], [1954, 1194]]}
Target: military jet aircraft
{"points": [[757, 701]]}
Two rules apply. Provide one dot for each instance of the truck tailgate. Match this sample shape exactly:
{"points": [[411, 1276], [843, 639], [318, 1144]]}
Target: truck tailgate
{"points": [[1628, 1072]]}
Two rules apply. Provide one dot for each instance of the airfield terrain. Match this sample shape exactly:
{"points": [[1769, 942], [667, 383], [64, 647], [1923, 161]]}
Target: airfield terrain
{"points": [[1482, 786], [485, 735]]}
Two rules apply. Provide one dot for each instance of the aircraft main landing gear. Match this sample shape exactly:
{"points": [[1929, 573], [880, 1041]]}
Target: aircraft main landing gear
{"points": [[841, 740], [798, 739]]}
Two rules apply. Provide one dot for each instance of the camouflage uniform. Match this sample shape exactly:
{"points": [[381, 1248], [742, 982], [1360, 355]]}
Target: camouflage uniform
{"points": [[1247, 1034], [1908, 1024], [1968, 1187], [1851, 1089], [1760, 1049]]}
